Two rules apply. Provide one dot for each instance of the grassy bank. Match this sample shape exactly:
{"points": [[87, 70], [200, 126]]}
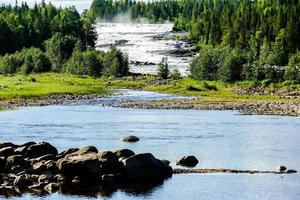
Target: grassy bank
{"points": [[39, 85]]}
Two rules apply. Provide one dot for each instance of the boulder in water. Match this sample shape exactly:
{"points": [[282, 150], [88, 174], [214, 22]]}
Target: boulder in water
{"points": [[188, 161], [130, 138], [142, 166], [281, 169]]}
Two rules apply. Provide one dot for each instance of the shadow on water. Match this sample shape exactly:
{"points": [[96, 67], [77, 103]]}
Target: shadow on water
{"points": [[136, 188]]}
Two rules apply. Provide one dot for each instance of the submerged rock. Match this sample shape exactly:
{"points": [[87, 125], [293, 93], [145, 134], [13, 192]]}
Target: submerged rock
{"points": [[130, 138], [188, 161]]}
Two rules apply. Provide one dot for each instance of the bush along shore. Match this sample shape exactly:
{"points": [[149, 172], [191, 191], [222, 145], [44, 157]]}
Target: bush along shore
{"points": [[40, 168]]}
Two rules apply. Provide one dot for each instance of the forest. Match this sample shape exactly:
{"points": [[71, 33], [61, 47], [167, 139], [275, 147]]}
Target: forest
{"points": [[237, 39], [45, 38]]}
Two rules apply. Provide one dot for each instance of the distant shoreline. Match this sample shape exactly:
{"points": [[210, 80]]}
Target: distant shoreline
{"points": [[248, 108]]}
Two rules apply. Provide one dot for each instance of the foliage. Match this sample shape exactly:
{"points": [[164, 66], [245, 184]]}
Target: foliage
{"points": [[292, 72], [163, 69], [115, 63], [59, 49], [84, 63], [175, 74], [232, 66], [27, 61], [25, 27], [207, 64]]}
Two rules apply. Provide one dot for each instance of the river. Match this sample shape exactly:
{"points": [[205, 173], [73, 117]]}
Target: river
{"points": [[218, 138]]}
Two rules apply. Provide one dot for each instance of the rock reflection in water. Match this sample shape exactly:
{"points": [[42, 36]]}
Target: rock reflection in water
{"points": [[137, 188]]}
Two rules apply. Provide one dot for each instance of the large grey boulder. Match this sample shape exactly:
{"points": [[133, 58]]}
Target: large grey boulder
{"points": [[41, 149], [86, 166], [142, 166]]}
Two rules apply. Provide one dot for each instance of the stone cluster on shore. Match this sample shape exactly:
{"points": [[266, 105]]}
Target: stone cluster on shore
{"points": [[49, 100], [256, 107], [39, 168]]}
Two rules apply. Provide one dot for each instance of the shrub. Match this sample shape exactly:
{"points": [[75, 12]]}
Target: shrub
{"points": [[34, 60], [175, 74], [206, 65], [163, 69], [84, 63], [27, 61], [9, 64], [115, 63], [59, 49], [292, 72], [232, 67]]}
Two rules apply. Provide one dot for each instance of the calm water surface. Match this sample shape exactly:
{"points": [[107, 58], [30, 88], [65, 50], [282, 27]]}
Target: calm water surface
{"points": [[217, 138]]}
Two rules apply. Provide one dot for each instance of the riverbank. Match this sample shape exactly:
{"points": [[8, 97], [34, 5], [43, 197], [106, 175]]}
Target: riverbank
{"points": [[247, 97]]}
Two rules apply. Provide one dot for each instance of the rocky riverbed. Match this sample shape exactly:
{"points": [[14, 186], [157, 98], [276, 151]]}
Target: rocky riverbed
{"points": [[49, 100], [253, 107]]}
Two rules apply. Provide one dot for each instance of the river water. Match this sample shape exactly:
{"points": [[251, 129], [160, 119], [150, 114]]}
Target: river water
{"points": [[222, 139]]}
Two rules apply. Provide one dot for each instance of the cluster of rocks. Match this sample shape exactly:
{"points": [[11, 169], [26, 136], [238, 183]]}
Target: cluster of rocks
{"points": [[256, 107], [50, 100], [38, 167], [289, 93]]}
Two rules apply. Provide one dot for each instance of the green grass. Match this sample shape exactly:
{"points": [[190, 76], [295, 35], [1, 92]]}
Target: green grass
{"points": [[216, 91], [37, 85]]}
